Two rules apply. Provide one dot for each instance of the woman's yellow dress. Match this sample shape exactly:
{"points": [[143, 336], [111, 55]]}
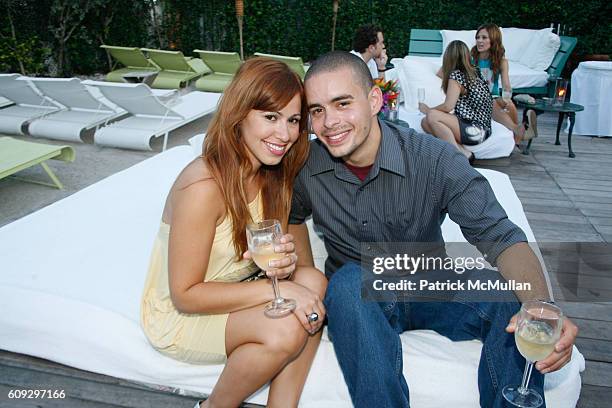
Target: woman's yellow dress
{"points": [[193, 338]]}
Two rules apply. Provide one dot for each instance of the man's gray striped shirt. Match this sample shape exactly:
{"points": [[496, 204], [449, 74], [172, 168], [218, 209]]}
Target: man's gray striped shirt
{"points": [[415, 181]]}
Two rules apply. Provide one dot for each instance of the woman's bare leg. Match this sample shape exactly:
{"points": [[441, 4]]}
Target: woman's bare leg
{"points": [[446, 127], [425, 126], [258, 348], [509, 119], [287, 386]]}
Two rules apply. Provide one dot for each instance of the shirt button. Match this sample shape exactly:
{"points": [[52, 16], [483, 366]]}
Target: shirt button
{"points": [[369, 248], [364, 223]]}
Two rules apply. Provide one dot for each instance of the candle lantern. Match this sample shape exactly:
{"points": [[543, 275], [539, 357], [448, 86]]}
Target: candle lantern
{"points": [[560, 91]]}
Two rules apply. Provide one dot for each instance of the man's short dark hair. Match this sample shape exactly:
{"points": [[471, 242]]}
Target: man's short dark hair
{"points": [[365, 36], [335, 60]]}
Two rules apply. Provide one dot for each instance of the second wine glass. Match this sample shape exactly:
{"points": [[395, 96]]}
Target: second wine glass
{"points": [[261, 239], [538, 329]]}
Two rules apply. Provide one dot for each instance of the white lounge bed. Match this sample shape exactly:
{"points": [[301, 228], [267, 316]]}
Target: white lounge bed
{"points": [[83, 112], [29, 104], [151, 117], [4, 102], [73, 272]]}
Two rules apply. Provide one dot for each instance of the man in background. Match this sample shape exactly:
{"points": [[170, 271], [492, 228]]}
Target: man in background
{"points": [[369, 45]]}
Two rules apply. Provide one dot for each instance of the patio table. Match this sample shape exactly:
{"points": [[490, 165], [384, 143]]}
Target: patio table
{"points": [[567, 108]]}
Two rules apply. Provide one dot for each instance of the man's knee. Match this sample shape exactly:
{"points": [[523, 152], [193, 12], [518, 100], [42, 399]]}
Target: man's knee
{"points": [[344, 287]]}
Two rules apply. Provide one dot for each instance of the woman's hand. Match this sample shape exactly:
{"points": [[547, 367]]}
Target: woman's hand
{"points": [[307, 303], [424, 108], [283, 268]]}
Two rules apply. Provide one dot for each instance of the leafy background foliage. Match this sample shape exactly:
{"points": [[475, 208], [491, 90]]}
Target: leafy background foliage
{"points": [[62, 37]]}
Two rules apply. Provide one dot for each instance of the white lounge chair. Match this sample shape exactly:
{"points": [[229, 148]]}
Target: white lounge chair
{"points": [[151, 116], [29, 104], [78, 301], [4, 102], [83, 112]]}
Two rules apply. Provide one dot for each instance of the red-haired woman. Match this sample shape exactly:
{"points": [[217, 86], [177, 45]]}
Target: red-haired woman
{"points": [[199, 304], [489, 55]]}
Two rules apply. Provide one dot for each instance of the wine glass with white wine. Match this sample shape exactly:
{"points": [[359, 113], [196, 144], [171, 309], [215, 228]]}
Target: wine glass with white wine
{"points": [[506, 95], [261, 239], [538, 330]]}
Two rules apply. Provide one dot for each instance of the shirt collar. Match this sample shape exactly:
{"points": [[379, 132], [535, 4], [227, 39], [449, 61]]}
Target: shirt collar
{"points": [[389, 156]]}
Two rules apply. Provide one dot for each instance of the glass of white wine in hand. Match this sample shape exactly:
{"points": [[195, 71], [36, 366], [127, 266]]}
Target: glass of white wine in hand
{"points": [[538, 330], [261, 239]]}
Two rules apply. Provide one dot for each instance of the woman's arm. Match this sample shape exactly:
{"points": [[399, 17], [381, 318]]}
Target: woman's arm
{"points": [[505, 78], [453, 91], [196, 210]]}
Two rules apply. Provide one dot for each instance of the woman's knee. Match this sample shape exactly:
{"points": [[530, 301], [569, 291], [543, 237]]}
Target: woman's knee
{"points": [[287, 337], [433, 116]]}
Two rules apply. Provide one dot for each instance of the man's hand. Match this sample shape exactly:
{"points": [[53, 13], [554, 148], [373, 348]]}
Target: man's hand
{"points": [[563, 349], [381, 61], [283, 268]]}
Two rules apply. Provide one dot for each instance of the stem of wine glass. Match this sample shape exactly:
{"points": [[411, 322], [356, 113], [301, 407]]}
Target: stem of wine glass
{"points": [[526, 376], [277, 296]]}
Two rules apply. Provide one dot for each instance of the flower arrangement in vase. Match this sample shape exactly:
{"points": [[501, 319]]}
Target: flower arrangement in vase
{"points": [[390, 92]]}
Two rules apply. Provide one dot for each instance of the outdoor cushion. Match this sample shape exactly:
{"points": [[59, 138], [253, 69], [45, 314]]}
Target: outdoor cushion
{"points": [[467, 36], [541, 50], [216, 82], [85, 313], [515, 41]]}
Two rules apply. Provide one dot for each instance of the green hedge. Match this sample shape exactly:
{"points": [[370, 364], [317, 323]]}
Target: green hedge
{"points": [[289, 27]]}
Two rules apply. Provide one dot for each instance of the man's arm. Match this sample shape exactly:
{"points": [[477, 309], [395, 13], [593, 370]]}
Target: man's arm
{"points": [[302, 244], [519, 263]]}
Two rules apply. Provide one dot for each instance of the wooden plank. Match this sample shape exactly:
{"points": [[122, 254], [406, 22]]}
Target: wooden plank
{"points": [[598, 373], [592, 311], [90, 390], [556, 218], [601, 221], [565, 236], [47, 402], [594, 397], [595, 350], [594, 329], [541, 225]]}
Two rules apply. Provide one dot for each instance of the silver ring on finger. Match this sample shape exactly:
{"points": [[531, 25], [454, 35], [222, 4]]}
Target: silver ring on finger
{"points": [[313, 317]]}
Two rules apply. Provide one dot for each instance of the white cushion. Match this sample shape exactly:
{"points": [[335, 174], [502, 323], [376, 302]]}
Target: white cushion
{"points": [[419, 72], [522, 76], [541, 50], [499, 144], [77, 301], [515, 41], [467, 36]]}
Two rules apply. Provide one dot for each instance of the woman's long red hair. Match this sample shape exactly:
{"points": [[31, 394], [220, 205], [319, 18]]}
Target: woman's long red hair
{"points": [[266, 85], [497, 50]]}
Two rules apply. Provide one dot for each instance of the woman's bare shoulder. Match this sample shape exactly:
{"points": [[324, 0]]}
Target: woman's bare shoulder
{"points": [[195, 184]]}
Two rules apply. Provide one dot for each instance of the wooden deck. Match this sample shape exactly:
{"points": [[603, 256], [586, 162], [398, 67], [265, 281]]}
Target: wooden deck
{"points": [[570, 200], [564, 199]]}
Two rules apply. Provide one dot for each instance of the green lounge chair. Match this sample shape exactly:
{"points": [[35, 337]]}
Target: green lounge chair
{"points": [[295, 63], [133, 60], [17, 155], [176, 69], [223, 65], [428, 43]]}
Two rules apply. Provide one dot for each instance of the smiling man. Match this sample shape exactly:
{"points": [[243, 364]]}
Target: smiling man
{"points": [[370, 181]]}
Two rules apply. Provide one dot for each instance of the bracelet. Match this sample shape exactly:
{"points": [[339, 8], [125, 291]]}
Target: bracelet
{"points": [[381, 70]]}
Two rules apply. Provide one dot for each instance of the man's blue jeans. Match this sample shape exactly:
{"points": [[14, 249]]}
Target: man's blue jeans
{"points": [[366, 339]]}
